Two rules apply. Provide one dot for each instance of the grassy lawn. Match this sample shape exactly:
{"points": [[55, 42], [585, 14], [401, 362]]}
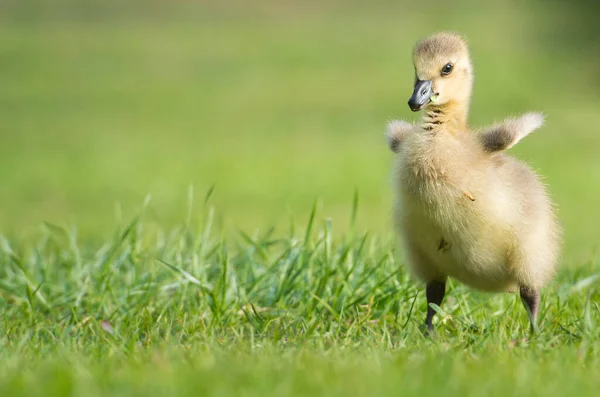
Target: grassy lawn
{"points": [[184, 312], [276, 105]]}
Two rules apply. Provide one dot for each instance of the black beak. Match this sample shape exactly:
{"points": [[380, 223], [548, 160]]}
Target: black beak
{"points": [[421, 95]]}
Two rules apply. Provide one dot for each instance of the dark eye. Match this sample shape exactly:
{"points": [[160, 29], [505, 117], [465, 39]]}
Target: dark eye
{"points": [[446, 70]]}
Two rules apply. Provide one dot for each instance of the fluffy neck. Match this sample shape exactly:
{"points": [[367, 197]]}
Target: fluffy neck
{"points": [[451, 117]]}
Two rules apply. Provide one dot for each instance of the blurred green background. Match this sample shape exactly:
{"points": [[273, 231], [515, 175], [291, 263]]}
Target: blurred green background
{"points": [[276, 103]]}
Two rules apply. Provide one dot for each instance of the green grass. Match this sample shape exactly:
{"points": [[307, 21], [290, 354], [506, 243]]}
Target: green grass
{"points": [[276, 105], [184, 312]]}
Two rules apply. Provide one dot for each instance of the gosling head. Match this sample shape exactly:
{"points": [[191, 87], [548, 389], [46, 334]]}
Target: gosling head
{"points": [[443, 71]]}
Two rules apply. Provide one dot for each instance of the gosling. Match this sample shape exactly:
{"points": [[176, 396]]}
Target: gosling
{"points": [[464, 209]]}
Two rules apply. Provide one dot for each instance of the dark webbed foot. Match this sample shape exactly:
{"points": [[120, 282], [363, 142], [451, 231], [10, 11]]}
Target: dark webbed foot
{"points": [[531, 301]]}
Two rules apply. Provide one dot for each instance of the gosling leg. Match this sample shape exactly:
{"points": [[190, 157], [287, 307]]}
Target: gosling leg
{"points": [[435, 292], [531, 301]]}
